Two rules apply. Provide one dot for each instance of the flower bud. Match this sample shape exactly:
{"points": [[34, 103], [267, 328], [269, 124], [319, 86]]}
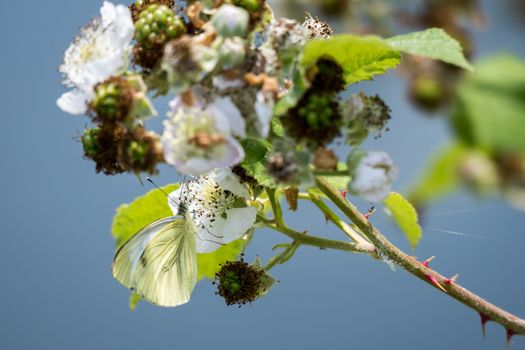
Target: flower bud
{"points": [[231, 52], [241, 283], [374, 176], [230, 20]]}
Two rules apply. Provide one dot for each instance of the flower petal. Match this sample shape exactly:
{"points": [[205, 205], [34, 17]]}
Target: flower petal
{"points": [[232, 154], [223, 231], [264, 111], [228, 181], [73, 102], [227, 116]]}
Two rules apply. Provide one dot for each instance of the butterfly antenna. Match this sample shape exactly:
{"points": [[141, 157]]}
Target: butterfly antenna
{"points": [[161, 190]]}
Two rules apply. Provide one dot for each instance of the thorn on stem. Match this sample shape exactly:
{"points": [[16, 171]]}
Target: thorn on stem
{"points": [[484, 320], [427, 262], [435, 282], [343, 193], [452, 279], [510, 334], [371, 211]]}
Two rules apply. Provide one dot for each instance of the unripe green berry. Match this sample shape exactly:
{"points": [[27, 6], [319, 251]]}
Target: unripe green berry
{"points": [[105, 102], [90, 142], [250, 5], [157, 24], [113, 100], [317, 111], [137, 151]]}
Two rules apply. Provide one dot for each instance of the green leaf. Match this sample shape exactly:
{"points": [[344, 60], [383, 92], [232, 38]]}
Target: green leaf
{"points": [[254, 162], [360, 57], [490, 107], [440, 176], [277, 127], [208, 264], [432, 43], [255, 150], [258, 171], [405, 216], [130, 218]]}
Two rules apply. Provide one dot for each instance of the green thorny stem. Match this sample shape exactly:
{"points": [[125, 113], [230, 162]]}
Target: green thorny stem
{"points": [[512, 323], [376, 245]]}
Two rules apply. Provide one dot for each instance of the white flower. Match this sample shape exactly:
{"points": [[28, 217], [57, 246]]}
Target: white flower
{"points": [[100, 51], [217, 204], [197, 140], [374, 176]]}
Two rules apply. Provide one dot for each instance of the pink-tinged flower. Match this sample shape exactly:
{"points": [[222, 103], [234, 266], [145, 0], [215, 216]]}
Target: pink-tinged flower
{"points": [[199, 139]]}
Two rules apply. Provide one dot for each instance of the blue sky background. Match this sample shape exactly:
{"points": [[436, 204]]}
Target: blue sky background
{"points": [[57, 291]]}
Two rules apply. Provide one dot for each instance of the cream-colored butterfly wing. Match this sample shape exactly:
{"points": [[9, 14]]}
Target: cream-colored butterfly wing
{"points": [[160, 262]]}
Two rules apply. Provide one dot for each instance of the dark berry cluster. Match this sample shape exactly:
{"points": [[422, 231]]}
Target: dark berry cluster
{"points": [[238, 282], [118, 143]]}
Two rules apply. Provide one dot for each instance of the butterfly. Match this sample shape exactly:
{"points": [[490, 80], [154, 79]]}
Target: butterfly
{"points": [[159, 262]]}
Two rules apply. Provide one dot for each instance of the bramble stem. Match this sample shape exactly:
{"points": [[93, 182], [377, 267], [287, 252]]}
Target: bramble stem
{"points": [[323, 243], [315, 241], [276, 207], [350, 232], [411, 265]]}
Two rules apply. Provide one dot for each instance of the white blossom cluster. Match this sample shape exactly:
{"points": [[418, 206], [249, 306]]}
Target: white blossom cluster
{"points": [[225, 71]]}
